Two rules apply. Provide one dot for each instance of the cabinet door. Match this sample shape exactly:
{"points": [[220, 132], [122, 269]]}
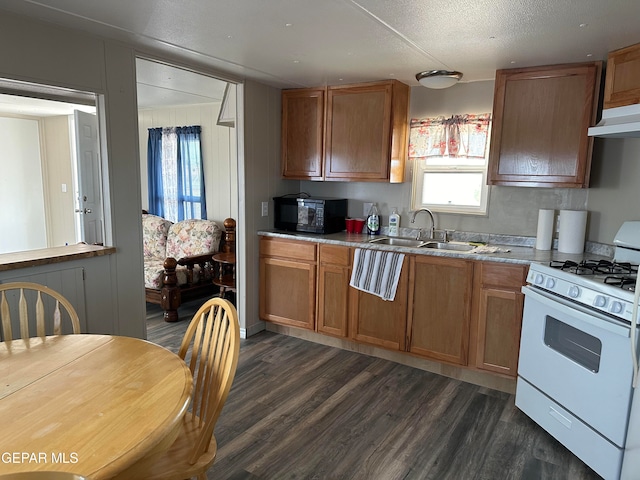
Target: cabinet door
{"points": [[333, 290], [499, 322], [497, 316], [379, 322], [541, 116], [622, 82], [358, 132], [287, 292], [441, 308], [288, 282], [302, 133]]}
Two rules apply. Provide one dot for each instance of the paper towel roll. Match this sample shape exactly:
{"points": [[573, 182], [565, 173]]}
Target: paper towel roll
{"points": [[545, 229], [573, 226]]}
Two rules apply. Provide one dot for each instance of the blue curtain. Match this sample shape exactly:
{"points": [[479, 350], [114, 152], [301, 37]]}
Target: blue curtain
{"points": [[154, 172], [191, 195]]}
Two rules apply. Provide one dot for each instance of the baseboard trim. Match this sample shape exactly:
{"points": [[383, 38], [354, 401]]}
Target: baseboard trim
{"points": [[252, 330], [469, 375]]}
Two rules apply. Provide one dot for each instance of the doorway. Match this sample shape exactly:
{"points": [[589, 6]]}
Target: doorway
{"points": [[170, 96]]}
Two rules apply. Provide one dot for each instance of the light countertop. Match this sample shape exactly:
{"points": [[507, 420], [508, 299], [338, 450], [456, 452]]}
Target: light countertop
{"points": [[508, 253]]}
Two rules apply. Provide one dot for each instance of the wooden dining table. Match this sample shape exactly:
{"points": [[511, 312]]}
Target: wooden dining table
{"points": [[88, 404]]}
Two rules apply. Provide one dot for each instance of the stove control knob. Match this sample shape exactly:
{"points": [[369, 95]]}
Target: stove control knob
{"points": [[600, 301], [551, 282], [539, 279], [616, 307], [574, 292]]}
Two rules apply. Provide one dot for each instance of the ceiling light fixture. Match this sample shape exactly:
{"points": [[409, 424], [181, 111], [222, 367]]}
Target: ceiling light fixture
{"points": [[438, 78]]}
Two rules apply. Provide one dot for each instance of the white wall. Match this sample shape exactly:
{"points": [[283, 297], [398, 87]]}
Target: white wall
{"points": [[612, 198], [60, 205], [218, 154], [21, 186], [260, 179]]}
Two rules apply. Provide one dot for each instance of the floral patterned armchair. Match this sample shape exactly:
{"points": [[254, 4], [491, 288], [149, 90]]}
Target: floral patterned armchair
{"points": [[177, 261]]}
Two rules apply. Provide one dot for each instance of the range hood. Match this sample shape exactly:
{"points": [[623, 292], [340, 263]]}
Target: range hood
{"points": [[618, 122]]}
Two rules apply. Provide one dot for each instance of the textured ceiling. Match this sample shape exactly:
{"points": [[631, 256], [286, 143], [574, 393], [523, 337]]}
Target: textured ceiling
{"points": [[294, 43]]}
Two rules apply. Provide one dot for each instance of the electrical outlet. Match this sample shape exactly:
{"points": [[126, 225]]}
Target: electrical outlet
{"points": [[366, 208], [265, 209]]}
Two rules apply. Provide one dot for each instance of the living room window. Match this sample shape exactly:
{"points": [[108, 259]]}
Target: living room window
{"points": [[449, 158], [176, 174]]}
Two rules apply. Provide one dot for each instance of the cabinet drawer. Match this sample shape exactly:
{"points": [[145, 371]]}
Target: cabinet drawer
{"points": [[503, 275], [272, 247], [335, 255]]}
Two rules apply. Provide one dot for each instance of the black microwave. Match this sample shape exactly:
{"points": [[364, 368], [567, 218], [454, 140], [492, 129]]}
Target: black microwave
{"points": [[313, 215]]}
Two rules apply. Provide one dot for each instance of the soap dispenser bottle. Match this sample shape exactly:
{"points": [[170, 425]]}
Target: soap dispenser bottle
{"points": [[373, 221], [394, 222]]}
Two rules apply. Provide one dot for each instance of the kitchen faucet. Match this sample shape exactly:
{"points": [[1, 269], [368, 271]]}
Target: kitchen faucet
{"points": [[433, 222]]}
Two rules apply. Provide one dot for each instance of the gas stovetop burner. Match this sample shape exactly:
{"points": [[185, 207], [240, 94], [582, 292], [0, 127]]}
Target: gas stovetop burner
{"points": [[596, 267], [626, 282]]}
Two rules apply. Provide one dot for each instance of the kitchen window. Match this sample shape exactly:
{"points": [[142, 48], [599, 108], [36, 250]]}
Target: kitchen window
{"points": [[450, 157]]}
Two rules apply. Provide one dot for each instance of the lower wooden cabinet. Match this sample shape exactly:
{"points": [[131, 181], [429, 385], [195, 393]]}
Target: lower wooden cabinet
{"points": [[452, 310], [439, 319], [498, 304], [378, 322], [288, 282], [333, 290]]}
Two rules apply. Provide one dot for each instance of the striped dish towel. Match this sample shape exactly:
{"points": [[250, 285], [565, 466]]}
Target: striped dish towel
{"points": [[376, 272]]}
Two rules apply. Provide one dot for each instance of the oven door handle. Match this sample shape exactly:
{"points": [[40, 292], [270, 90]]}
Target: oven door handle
{"points": [[578, 312]]}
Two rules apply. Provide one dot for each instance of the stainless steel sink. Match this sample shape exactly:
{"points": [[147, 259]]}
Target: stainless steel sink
{"points": [[458, 247], [412, 242], [399, 241]]}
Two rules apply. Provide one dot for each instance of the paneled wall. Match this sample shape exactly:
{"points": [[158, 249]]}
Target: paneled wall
{"points": [[67, 281], [47, 54], [218, 154]]}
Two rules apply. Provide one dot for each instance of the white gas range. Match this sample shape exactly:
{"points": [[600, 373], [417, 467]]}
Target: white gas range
{"points": [[576, 368]]}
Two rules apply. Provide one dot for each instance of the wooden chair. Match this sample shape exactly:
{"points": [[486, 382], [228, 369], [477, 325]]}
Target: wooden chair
{"points": [[210, 346], [25, 293]]}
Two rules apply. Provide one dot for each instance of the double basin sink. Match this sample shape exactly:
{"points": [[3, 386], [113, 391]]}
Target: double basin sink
{"points": [[412, 242]]}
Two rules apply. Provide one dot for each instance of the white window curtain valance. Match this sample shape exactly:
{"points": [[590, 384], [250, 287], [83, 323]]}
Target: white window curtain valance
{"points": [[457, 136]]}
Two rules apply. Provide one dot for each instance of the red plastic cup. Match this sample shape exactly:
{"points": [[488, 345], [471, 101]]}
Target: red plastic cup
{"points": [[351, 225], [358, 225]]}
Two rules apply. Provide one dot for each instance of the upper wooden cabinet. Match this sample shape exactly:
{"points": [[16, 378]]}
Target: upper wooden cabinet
{"points": [[363, 137], [540, 121], [366, 132], [622, 82], [302, 133]]}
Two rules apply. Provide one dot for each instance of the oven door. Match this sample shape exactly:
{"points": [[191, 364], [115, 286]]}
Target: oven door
{"points": [[578, 358]]}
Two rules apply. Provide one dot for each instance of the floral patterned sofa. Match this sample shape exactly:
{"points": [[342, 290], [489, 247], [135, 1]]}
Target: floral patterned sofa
{"points": [[177, 261]]}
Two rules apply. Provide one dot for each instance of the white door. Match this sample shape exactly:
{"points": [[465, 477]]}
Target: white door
{"points": [[89, 187]]}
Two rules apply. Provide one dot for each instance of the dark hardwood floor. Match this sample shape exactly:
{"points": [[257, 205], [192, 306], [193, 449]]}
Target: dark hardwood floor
{"points": [[299, 410]]}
